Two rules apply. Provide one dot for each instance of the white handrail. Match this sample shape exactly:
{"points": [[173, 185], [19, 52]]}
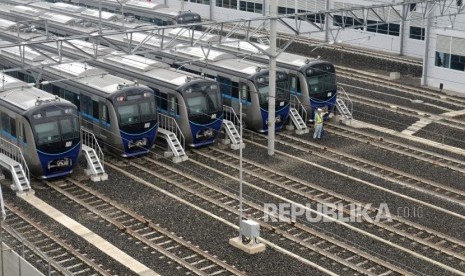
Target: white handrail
{"points": [[170, 124], [14, 152], [89, 139], [297, 104]]}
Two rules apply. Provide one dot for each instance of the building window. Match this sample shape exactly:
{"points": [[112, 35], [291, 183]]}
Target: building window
{"points": [[251, 7], [204, 2], [228, 4], [417, 33], [315, 18], [445, 60], [383, 28], [285, 10]]}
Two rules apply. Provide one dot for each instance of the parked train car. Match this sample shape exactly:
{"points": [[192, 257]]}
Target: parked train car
{"points": [[194, 103], [232, 74], [143, 10], [121, 113], [45, 127], [239, 80], [313, 81]]}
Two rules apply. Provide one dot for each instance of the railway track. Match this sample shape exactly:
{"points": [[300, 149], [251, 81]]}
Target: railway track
{"points": [[295, 237], [425, 186], [407, 111], [151, 236], [45, 250], [422, 241], [430, 157], [361, 76]]}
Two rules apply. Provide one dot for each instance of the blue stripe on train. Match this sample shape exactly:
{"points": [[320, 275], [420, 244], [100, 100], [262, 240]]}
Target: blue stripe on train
{"points": [[150, 135], [45, 158]]}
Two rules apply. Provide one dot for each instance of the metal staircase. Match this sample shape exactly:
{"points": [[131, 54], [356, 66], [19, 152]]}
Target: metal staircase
{"points": [[94, 156], [230, 121], [13, 160], [344, 104], [170, 131], [298, 116]]}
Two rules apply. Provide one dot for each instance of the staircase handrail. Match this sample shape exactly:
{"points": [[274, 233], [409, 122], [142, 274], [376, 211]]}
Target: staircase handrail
{"points": [[230, 115], [345, 97], [170, 124], [89, 139], [14, 152], [297, 104]]}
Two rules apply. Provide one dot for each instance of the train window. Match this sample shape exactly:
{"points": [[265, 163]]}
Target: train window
{"points": [[174, 105], [67, 128], [47, 132], [95, 109], [105, 117], [85, 104], [129, 114], [13, 127], [146, 111], [162, 100], [235, 90], [295, 85], [22, 133], [5, 122], [245, 94]]}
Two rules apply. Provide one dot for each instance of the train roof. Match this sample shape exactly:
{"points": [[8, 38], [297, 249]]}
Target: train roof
{"points": [[29, 55], [243, 46], [58, 18], [84, 46], [134, 62], [145, 5], [78, 72], [22, 95], [153, 41], [187, 33], [26, 11], [95, 14], [198, 52], [7, 24], [150, 68]]}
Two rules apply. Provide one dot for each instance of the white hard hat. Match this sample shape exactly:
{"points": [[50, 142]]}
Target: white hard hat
{"points": [[319, 109]]}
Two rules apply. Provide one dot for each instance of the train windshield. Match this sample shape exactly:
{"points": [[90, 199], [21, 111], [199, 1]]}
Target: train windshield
{"points": [[203, 98], [321, 80], [138, 112], [282, 89], [52, 130]]}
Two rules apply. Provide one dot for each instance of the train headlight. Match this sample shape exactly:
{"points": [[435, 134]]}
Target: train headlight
{"points": [[278, 119], [120, 99], [137, 143]]}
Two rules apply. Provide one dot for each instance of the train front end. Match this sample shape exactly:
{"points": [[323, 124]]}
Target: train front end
{"points": [[56, 130], [137, 120], [322, 85], [203, 102], [282, 100]]}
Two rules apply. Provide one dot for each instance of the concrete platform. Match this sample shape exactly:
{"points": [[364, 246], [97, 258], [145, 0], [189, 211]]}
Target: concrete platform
{"points": [[250, 248], [94, 239]]}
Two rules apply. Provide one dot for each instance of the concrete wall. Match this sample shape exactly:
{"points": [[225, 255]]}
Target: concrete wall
{"points": [[11, 264]]}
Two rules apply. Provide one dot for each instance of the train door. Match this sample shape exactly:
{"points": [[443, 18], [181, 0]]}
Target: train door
{"points": [[173, 106], [225, 88], [104, 120], [244, 97], [22, 141]]}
